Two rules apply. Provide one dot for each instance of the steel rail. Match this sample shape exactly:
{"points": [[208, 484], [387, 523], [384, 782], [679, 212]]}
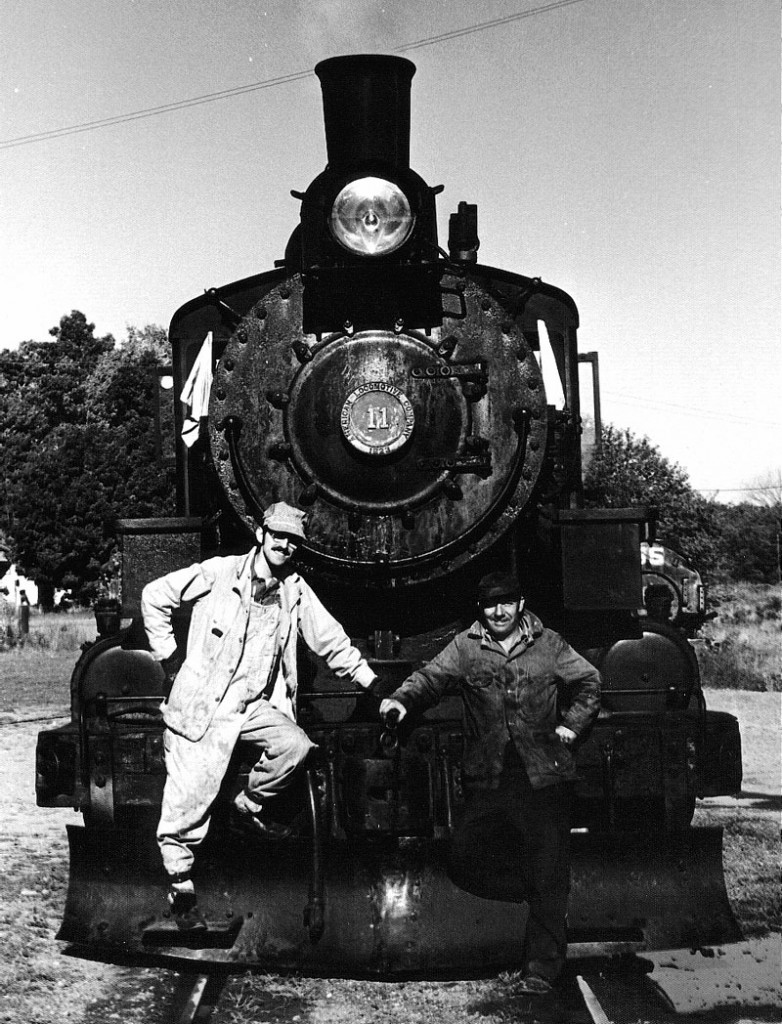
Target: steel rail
{"points": [[196, 996], [596, 1011]]}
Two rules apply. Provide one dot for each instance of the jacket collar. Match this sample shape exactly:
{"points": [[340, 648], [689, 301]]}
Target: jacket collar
{"points": [[244, 565]]}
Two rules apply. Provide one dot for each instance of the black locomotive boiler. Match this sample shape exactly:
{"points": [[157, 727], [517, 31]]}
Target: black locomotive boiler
{"points": [[395, 390]]}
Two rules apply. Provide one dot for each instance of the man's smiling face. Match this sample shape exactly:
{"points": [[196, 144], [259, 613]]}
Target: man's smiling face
{"points": [[502, 616], [278, 548]]}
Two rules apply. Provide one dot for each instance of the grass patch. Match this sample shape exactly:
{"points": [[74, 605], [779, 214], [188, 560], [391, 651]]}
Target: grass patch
{"points": [[52, 632], [36, 668], [751, 838], [741, 643], [263, 997], [36, 678]]}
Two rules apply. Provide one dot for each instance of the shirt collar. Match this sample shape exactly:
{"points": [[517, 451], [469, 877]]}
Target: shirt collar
{"points": [[262, 588]]}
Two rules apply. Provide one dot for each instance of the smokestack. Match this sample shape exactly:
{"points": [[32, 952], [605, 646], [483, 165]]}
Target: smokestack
{"points": [[366, 109]]}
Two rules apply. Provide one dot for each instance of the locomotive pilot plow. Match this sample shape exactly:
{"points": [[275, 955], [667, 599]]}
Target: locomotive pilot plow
{"points": [[362, 887], [388, 908]]}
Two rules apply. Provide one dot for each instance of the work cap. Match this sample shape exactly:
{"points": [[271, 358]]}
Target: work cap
{"points": [[285, 519], [497, 585]]}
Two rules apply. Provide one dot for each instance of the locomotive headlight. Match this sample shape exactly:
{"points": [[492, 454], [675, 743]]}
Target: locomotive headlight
{"points": [[371, 217]]}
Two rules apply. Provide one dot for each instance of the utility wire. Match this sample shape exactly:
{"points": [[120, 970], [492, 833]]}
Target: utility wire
{"points": [[457, 32], [137, 115], [740, 490], [622, 398], [268, 83]]}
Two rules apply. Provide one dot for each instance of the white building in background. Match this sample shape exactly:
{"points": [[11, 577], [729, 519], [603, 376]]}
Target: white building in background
{"points": [[12, 585]]}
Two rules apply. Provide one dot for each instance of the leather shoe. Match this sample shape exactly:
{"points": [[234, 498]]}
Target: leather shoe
{"points": [[532, 985]]}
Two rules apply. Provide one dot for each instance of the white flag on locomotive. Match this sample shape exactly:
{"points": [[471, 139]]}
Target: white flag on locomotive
{"points": [[195, 393]]}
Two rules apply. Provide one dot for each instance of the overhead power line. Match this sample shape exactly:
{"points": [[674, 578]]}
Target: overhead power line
{"points": [[495, 23], [164, 108], [268, 83], [740, 490], [621, 398]]}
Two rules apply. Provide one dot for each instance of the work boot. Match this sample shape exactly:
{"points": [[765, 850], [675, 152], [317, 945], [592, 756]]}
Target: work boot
{"points": [[531, 985], [185, 912]]}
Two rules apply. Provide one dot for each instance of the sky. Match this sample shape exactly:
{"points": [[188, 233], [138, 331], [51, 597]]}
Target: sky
{"points": [[626, 151]]}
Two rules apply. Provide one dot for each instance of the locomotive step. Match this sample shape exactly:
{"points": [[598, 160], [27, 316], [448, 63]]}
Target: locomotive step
{"points": [[217, 935]]}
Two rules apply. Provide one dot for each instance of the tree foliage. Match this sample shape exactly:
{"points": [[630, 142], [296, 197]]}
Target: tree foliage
{"points": [[78, 449], [766, 490], [747, 542], [627, 471], [725, 542]]}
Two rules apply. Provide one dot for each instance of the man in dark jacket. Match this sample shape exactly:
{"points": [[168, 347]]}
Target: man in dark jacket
{"points": [[527, 698]]}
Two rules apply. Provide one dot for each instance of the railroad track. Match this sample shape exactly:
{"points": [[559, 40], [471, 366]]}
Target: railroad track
{"points": [[196, 996], [592, 993]]}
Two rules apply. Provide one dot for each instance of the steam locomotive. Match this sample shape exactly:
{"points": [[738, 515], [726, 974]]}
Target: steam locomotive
{"points": [[396, 391]]}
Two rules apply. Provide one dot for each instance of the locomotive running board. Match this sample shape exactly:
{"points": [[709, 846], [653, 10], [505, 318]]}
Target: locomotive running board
{"points": [[389, 907]]}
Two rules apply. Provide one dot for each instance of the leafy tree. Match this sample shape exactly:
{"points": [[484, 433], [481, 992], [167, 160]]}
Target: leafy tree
{"points": [[766, 490], [78, 449], [747, 542], [150, 339], [627, 471], [6, 551]]}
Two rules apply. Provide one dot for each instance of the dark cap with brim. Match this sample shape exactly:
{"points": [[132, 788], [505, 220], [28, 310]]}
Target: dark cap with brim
{"points": [[498, 585]]}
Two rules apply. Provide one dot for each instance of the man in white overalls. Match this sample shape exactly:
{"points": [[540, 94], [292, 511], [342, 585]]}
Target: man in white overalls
{"points": [[238, 680]]}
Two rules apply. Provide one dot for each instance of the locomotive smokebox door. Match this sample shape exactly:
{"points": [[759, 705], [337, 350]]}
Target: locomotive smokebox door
{"points": [[414, 450]]}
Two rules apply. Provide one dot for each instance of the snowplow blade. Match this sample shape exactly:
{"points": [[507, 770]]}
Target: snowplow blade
{"points": [[382, 907], [669, 887]]}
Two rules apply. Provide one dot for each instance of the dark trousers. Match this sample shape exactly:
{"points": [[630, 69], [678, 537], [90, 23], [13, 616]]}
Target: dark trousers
{"points": [[513, 843]]}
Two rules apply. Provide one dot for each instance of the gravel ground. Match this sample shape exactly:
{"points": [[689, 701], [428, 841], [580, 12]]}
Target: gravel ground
{"points": [[41, 983]]}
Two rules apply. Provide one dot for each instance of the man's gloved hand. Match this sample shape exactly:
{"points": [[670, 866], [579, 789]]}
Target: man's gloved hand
{"points": [[172, 664], [388, 705]]}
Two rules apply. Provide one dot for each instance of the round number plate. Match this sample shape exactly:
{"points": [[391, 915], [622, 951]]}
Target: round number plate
{"points": [[377, 418]]}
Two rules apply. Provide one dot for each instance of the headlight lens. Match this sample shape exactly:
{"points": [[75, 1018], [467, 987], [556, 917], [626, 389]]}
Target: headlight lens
{"points": [[371, 217]]}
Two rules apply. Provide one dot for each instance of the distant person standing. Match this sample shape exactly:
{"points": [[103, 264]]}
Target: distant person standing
{"points": [[238, 681], [527, 697]]}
